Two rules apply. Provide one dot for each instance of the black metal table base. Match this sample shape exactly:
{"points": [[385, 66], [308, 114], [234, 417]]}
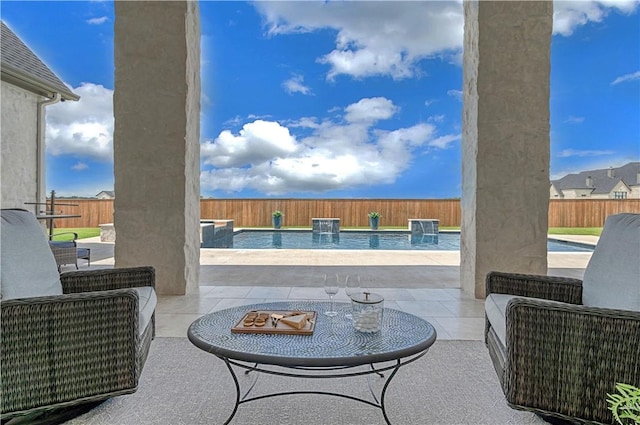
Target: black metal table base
{"points": [[318, 373]]}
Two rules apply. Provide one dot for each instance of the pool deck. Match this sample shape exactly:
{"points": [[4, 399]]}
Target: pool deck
{"points": [[425, 283], [102, 254]]}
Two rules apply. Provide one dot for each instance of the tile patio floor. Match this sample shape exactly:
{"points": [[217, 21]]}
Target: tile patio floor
{"points": [[424, 283]]}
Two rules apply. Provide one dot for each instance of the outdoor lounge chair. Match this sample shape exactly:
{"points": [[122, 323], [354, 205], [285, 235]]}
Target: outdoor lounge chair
{"points": [[67, 339], [67, 252], [560, 345]]}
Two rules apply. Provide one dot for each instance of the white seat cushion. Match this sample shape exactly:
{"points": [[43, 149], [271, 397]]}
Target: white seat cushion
{"points": [[147, 306], [612, 277], [28, 266], [495, 307]]}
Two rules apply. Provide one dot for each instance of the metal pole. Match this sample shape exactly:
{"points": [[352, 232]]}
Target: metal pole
{"points": [[52, 212]]}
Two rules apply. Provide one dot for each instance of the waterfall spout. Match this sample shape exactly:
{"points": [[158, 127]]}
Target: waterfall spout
{"points": [[423, 227], [326, 226]]}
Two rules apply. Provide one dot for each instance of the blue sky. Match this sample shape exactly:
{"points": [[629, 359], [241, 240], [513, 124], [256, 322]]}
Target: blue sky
{"points": [[336, 99]]}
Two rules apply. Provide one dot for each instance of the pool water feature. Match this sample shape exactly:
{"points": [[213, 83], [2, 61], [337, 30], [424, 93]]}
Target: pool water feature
{"points": [[444, 241]]}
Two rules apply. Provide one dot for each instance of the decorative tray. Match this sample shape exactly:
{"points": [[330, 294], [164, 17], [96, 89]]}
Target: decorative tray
{"points": [[282, 322]]}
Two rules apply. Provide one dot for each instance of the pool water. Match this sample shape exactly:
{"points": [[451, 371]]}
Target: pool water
{"points": [[449, 241]]}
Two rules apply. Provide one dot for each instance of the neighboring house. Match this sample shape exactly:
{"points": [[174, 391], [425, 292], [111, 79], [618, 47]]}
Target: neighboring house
{"points": [[612, 183], [27, 87], [106, 194]]}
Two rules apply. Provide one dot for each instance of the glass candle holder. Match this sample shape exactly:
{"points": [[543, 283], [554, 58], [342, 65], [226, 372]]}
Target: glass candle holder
{"points": [[367, 311]]}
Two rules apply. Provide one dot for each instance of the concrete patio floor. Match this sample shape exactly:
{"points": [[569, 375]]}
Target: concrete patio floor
{"points": [[424, 283]]}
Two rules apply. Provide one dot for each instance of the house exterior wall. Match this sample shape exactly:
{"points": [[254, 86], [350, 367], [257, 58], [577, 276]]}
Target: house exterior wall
{"points": [[577, 193], [103, 195], [18, 140], [588, 193], [620, 187], [600, 195], [628, 177], [554, 194], [632, 193]]}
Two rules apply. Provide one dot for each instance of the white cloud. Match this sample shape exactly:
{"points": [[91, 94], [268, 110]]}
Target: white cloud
{"points": [[295, 85], [305, 122], [383, 38], [568, 15], [370, 110], [97, 21], [444, 141], [627, 77], [343, 151], [429, 102], [258, 117], [400, 144], [574, 120], [373, 38], [257, 142], [583, 153], [331, 155], [455, 93], [367, 63], [83, 128], [79, 166]]}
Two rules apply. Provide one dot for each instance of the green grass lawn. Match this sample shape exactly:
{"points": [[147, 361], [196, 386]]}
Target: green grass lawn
{"points": [[590, 231], [83, 232]]}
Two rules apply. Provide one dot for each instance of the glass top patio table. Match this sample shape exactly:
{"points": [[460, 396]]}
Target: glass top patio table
{"points": [[334, 342]]}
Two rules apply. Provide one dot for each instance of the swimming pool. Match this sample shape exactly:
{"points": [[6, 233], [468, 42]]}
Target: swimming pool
{"points": [[444, 241]]}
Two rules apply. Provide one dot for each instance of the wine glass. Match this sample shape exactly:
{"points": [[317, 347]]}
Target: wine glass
{"points": [[351, 287], [331, 287], [366, 283]]}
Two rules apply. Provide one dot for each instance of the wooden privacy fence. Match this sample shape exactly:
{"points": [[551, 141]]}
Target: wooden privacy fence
{"points": [[588, 212], [93, 212], [353, 212]]}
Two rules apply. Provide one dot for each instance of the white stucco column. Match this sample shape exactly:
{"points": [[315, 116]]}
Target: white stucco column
{"points": [[505, 140], [156, 140]]}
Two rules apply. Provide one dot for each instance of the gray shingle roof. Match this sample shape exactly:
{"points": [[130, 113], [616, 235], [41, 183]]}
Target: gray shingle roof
{"points": [[601, 182], [20, 66]]}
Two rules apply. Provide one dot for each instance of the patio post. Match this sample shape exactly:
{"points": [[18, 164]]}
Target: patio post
{"points": [[156, 140], [505, 139]]}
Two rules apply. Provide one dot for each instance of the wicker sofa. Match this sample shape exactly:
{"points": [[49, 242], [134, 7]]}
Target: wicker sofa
{"points": [[560, 345], [67, 339]]}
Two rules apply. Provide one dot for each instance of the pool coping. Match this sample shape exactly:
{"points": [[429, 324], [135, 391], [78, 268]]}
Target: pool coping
{"points": [[587, 242], [308, 229]]}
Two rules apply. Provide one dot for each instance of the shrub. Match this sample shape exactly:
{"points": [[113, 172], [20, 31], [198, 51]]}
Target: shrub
{"points": [[625, 405]]}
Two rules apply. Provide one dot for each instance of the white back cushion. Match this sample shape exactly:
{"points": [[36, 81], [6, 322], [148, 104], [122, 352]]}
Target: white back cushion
{"points": [[612, 277], [146, 306], [27, 266]]}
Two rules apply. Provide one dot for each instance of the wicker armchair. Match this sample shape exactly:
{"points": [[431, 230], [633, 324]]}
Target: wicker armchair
{"points": [[560, 345], [65, 252], [69, 339]]}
